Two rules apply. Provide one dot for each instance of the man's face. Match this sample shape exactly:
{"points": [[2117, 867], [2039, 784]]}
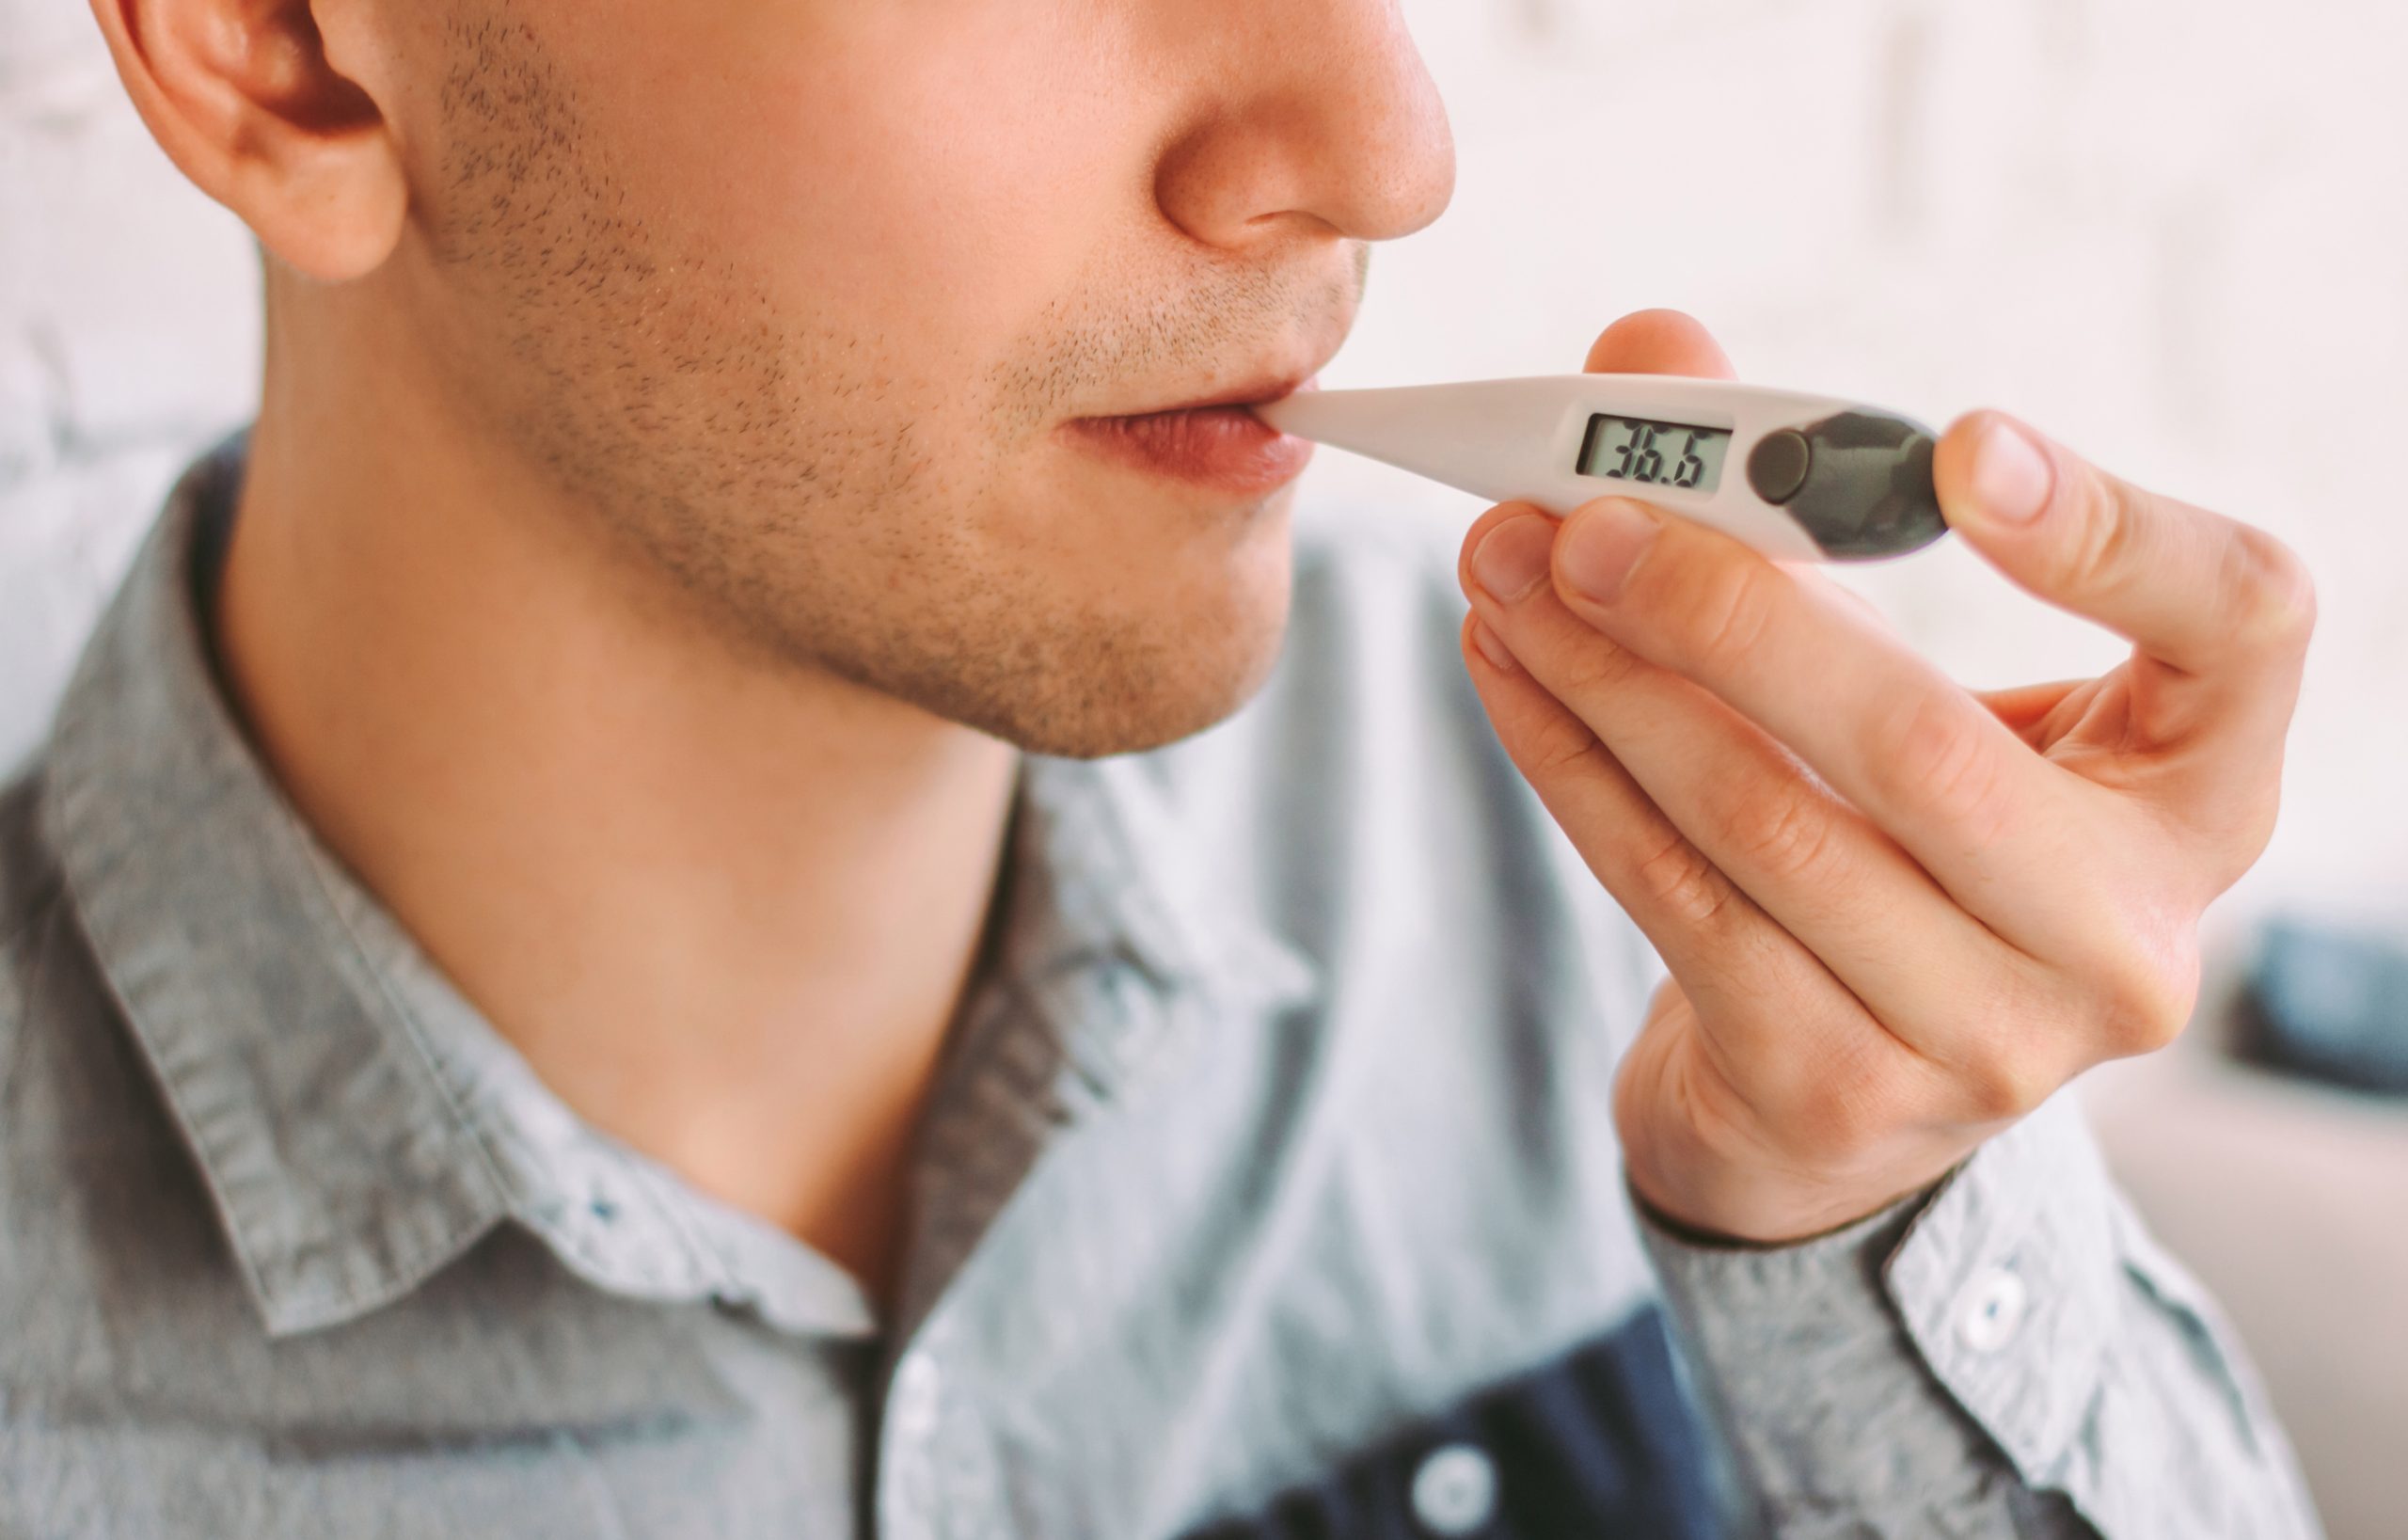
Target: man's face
{"points": [[823, 311]]}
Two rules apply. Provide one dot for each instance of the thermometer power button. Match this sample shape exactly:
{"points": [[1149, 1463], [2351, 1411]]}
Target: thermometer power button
{"points": [[1777, 466]]}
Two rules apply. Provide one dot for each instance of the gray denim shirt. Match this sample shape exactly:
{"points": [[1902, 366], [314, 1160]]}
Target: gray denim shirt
{"points": [[1280, 1120]]}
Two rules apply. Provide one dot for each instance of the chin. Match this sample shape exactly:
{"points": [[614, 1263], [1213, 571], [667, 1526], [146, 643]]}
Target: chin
{"points": [[1147, 693], [1123, 681]]}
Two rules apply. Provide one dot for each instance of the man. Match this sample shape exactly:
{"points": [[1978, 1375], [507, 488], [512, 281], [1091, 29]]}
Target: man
{"points": [[683, 898]]}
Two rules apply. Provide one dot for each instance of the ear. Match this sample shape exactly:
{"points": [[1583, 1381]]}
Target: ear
{"points": [[263, 105]]}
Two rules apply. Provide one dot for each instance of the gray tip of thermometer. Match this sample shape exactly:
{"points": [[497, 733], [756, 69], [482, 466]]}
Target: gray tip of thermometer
{"points": [[1859, 482], [1798, 477]]}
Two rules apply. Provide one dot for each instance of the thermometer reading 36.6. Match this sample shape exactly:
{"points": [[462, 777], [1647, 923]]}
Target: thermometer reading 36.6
{"points": [[1799, 477], [1654, 454]]}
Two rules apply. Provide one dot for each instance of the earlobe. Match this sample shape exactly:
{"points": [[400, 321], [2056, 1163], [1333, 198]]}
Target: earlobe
{"points": [[333, 213], [244, 99]]}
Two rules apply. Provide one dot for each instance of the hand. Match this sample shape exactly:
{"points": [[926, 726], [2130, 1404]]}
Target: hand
{"points": [[1898, 916]]}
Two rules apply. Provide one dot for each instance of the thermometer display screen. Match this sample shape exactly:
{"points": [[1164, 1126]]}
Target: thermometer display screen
{"points": [[1634, 449]]}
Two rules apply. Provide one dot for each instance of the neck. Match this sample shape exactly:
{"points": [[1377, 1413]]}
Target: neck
{"points": [[724, 905]]}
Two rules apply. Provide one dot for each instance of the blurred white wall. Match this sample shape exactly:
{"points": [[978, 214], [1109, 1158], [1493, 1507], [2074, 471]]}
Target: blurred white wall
{"points": [[129, 331], [2174, 232]]}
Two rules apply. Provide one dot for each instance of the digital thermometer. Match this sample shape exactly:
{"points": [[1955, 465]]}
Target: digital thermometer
{"points": [[1798, 477]]}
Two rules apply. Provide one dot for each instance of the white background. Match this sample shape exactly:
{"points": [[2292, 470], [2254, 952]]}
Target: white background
{"points": [[2173, 232]]}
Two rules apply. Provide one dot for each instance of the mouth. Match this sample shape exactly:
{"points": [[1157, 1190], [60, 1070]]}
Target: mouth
{"points": [[1214, 441]]}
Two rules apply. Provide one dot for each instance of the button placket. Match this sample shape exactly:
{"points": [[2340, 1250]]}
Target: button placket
{"points": [[919, 1384], [940, 1477]]}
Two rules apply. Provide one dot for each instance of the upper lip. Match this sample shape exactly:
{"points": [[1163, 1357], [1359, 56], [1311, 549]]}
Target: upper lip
{"points": [[1250, 394]]}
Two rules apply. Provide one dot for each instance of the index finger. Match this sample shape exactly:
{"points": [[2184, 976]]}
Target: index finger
{"points": [[1924, 761]]}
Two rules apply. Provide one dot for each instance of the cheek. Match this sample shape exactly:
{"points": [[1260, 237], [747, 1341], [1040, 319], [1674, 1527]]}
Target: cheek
{"points": [[931, 176]]}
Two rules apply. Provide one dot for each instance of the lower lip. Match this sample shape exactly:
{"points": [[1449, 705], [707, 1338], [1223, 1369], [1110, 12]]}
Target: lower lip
{"points": [[1228, 449]]}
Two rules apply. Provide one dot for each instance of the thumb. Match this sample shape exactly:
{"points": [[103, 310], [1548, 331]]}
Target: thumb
{"points": [[1659, 343]]}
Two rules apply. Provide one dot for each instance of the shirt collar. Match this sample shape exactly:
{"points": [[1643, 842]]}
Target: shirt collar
{"points": [[325, 1075], [340, 1171], [1114, 871], [1108, 878]]}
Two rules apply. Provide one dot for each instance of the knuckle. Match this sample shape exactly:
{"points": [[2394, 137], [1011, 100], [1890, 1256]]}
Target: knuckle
{"points": [[1725, 612], [2270, 594], [2125, 542], [2107, 539], [1558, 744], [1680, 883], [2003, 1087], [1786, 834], [1853, 1111], [1933, 758], [2143, 1004], [1598, 667]]}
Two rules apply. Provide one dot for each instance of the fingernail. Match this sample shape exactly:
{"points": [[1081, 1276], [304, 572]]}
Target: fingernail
{"points": [[2012, 477], [1491, 645], [1512, 559], [1602, 543]]}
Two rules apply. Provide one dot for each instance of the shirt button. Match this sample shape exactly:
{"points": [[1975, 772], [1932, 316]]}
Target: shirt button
{"points": [[1454, 1492], [1993, 1309]]}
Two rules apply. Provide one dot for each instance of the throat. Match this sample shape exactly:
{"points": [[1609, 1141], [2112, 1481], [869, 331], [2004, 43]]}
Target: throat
{"points": [[725, 907]]}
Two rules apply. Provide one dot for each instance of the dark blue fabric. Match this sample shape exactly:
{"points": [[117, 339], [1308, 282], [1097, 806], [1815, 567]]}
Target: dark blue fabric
{"points": [[1603, 1443]]}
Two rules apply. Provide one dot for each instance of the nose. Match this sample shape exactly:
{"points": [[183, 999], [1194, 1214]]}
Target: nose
{"points": [[1309, 111]]}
